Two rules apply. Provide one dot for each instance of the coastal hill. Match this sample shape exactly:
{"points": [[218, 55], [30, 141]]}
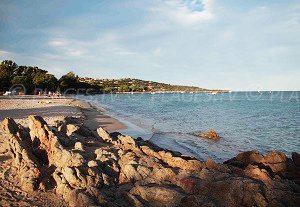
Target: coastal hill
{"points": [[35, 79], [137, 85]]}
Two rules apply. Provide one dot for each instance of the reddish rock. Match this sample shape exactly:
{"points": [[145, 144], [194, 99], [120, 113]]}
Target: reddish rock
{"points": [[9, 126], [158, 195], [210, 135], [118, 170]]}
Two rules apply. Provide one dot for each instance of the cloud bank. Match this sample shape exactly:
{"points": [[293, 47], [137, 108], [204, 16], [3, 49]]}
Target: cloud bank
{"points": [[240, 45]]}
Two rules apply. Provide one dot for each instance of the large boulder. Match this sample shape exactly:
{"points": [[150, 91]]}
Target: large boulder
{"points": [[262, 166], [274, 161]]}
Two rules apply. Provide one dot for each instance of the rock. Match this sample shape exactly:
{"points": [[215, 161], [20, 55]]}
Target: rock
{"points": [[92, 163], [189, 184], [134, 200], [104, 134], [9, 126], [71, 129], [263, 166], [224, 192], [47, 144], [60, 157], [158, 195], [296, 158], [80, 199], [211, 164], [78, 146], [257, 173], [118, 170], [210, 135], [186, 164], [25, 162], [273, 162], [41, 135], [196, 201]]}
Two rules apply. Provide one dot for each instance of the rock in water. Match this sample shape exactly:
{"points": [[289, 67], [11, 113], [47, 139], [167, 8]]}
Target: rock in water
{"points": [[210, 135]]}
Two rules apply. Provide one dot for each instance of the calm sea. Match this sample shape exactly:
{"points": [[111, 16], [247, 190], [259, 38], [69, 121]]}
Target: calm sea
{"points": [[245, 120]]}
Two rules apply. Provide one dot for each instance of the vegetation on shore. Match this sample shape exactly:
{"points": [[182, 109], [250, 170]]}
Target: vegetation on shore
{"points": [[32, 78]]}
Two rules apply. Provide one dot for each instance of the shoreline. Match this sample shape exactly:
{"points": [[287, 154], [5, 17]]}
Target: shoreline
{"points": [[53, 109], [71, 164], [123, 126], [95, 117]]}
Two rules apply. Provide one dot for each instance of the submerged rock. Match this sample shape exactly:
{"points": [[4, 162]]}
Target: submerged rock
{"points": [[210, 135]]}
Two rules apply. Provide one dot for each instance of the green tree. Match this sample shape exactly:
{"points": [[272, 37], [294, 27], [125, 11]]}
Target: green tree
{"points": [[123, 88], [7, 70], [133, 88], [45, 81], [23, 80], [70, 80], [109, 89]]}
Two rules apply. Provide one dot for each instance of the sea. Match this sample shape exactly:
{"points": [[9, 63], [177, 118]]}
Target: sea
{"points": [[245, 120]]}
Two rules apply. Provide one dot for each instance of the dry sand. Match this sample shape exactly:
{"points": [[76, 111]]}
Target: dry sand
{"points": [[52, 109], [20, 108]]}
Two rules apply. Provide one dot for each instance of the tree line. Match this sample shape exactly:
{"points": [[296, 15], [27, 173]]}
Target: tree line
{"points": [[32, 78]]}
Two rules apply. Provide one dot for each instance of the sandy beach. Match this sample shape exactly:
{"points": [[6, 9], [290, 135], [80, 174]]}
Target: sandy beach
{"points": [[53, 109]]}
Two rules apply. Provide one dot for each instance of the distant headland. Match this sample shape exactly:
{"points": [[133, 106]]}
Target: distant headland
{"points": [[34, 79]]}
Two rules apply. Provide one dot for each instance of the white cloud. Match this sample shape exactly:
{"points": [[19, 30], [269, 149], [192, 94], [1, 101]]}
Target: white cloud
{"points": [[102, 45], [57, 43], [6, 55], [186, 12], [232, 44]]}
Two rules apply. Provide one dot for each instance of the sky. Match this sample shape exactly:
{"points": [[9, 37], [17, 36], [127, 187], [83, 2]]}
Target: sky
{"points": [[217, 44]]}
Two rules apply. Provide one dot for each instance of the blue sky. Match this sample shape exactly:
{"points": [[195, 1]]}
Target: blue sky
{"points": [[228, 44]]}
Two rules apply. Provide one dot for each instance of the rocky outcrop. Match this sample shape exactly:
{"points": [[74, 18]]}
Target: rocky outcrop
{"points": [[24, 160], [117, 170], [263, 166], [210, 135]]}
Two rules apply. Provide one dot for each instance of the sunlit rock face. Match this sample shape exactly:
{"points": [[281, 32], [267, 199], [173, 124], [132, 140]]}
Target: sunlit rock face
{"points": [[103, 169]]}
